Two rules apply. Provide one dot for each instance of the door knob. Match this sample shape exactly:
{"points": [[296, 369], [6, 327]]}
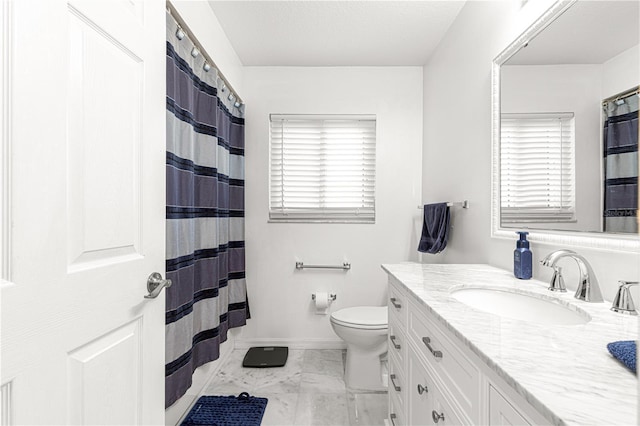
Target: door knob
{"points": [[155, 284], [437, 416]]}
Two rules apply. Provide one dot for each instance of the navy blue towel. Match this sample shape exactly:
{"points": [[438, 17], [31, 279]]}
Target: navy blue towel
{"points": [[625, 352], [435, 228]]}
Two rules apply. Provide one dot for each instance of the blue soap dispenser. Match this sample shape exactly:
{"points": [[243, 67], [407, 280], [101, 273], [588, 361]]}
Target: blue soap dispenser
{"points": [[522, 257]]}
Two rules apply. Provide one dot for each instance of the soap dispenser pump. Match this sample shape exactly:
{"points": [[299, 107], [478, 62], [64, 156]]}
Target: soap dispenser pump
{"points": [[522, 257]]}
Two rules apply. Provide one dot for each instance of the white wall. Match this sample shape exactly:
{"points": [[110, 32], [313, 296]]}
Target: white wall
{"points": [[620, 73], [564, 88], [280, 296], [457, 142], [207, 29]]}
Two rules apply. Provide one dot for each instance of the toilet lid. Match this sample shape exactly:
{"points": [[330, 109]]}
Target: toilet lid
{"points": [[368, 316]]}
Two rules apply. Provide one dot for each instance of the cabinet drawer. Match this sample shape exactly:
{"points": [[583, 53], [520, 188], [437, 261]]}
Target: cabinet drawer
{"points": [[396, 412], [397, 342], [427, 402], [419, 392], [397, 383], [501, 412], [397, 304], [453, 369], [444, 413]]}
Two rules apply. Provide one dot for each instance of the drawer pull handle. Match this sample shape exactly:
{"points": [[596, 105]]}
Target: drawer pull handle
{"points": [[437, 416], [395, 303], [393, 340], [392, 416], [427, 341], [393, 382], [422, 389]]}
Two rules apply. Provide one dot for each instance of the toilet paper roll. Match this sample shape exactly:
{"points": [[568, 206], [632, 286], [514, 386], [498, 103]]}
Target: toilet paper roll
{"points": [[322, 303]]}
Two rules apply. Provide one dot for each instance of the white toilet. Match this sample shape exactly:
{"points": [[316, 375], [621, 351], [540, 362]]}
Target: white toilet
{"points": [[364, 330]]}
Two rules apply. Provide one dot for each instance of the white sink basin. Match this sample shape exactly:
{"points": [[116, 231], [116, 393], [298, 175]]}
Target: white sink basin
{"points": [[521, 306]]}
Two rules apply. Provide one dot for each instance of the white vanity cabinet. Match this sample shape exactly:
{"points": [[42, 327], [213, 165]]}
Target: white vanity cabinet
{"points": [[436, 379], [397, 355], [427, 403], [501, 412]]}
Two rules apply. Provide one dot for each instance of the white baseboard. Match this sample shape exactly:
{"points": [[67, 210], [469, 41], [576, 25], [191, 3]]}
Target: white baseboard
{"points": [[291, 343]]}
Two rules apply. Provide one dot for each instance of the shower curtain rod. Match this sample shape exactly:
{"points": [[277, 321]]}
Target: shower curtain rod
{"points": [[621, 95], [172, 10]]}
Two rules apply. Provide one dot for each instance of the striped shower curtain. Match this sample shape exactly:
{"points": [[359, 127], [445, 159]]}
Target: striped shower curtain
{"points": [[205, 215], [621, 164]]}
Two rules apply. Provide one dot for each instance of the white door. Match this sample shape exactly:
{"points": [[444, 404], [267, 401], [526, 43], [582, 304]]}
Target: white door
{"points": [[84, 122]]}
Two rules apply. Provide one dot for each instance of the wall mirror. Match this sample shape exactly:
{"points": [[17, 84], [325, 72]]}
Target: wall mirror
{"points": [[565, 126]]}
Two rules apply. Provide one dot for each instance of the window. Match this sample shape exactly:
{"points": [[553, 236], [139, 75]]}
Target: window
{"points": [[322, 168], [537, 167]]}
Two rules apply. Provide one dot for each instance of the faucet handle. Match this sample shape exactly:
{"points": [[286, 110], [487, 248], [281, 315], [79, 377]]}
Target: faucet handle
{"points": [[557, 282], [623, 302]]}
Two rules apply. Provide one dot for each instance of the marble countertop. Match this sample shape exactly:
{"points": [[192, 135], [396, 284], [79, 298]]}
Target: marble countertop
{"points": [[564, 372]]}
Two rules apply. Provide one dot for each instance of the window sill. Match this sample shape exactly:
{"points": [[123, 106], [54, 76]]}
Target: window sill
{"points": [[328, 221]]}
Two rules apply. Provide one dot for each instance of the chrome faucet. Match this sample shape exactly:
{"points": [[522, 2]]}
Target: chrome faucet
{"points": [[623, 303], [588, 287], [557, 282]]}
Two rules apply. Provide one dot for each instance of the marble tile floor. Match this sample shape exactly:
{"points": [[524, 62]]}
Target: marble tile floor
{"points": [[308, 390]]}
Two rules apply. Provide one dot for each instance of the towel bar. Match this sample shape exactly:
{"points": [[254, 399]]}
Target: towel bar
{"points": [[464, 204], [345, 266]]}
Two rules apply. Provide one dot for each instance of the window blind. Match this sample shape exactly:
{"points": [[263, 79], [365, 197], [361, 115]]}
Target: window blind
{"points": [[537, 167], [322, 168]]}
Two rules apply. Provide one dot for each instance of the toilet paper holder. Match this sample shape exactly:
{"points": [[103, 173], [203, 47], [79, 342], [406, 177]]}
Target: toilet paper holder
{"points": [[332, 296]]}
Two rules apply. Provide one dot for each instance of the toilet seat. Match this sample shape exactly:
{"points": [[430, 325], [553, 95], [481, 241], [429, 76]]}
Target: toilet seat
{"points": [[362, 317]]}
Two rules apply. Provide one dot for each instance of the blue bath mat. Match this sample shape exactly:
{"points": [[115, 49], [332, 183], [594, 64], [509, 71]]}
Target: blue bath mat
{"points": [[625, 352], [241, 410]]}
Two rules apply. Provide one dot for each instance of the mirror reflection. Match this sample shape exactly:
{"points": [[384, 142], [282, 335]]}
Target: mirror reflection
{"points": [[569, 123]]}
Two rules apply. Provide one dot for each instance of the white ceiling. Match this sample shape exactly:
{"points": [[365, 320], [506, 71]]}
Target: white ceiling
{"points": [[589, 32], [335, 32]]}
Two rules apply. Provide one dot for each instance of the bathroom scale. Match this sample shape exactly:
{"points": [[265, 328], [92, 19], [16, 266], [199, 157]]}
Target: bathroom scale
{"points": [[266, 356]]}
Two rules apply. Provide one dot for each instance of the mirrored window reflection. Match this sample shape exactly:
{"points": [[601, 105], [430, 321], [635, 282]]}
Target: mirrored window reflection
{"points": [[537, 167]]}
